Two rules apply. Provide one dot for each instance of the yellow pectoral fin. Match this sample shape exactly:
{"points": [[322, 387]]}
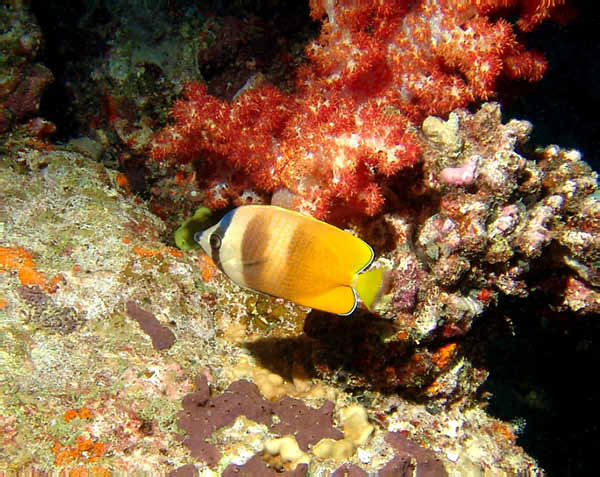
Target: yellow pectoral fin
{"points": [[369, 285], [339, 300]]}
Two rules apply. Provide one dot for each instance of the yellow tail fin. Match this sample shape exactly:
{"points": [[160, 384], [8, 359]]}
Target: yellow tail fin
{"points": [[370, 285]]}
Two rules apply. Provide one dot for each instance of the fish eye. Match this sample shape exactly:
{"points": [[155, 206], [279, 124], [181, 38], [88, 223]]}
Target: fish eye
{"points": [[215, 241]]}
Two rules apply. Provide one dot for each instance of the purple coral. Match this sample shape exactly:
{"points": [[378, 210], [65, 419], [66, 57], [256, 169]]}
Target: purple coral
{"points": [[410, 457], [202, 415], [308, 425], [256, 466], [162, 337]]}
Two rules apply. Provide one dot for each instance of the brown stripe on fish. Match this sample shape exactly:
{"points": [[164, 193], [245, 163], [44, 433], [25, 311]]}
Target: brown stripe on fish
{"points": [[311, 268], [254, 248]]}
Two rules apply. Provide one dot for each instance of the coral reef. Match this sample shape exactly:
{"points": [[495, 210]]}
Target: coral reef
{"points": [[122, 354], [121, 66], [532, 12], [23, 80], [373, 73], [462, 246], [202, 416], [95, 395], [402, 464]]}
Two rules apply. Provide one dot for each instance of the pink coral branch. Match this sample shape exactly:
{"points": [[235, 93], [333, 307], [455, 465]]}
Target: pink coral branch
{"points": [[459, 176]]}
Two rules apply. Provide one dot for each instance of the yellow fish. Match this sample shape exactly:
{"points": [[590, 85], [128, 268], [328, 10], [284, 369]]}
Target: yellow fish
{"points": [[293, 256]]}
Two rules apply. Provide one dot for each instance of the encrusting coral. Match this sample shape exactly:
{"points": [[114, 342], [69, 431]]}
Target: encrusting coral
{"points": [[23, 80]]}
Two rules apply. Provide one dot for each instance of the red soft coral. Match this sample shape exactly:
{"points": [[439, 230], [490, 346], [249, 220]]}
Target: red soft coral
{"points": [[377, 69], [532, 12]]}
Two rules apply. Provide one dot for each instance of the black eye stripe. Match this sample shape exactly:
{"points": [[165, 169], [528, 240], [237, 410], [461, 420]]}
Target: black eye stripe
{"points": [[216, 238], [215, 241]]}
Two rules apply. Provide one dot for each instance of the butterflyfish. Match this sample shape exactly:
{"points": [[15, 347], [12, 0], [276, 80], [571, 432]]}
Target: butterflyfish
{"points": [[290, 255]]}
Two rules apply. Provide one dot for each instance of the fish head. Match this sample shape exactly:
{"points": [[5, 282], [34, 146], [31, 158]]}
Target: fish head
{"points": [[213, 239], [203, 239]]}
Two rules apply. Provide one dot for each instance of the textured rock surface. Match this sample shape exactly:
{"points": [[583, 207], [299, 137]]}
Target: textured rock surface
{"points": [[87, 388]]}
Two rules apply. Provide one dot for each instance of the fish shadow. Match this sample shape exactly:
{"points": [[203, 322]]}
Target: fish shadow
{"points": [[352, 351]]}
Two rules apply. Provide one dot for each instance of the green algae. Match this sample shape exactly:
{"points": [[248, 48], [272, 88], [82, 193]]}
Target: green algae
{"points": [[184, 235]]}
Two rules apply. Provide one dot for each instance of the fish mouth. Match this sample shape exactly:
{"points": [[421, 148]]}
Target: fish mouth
{"points": [[198, 237]]}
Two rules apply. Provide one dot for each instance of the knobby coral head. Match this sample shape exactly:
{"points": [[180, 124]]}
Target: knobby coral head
{"points": [[336, 143]]}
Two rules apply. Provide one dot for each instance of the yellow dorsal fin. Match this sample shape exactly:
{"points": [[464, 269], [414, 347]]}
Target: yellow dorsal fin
{"points": [[370, 285]]}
